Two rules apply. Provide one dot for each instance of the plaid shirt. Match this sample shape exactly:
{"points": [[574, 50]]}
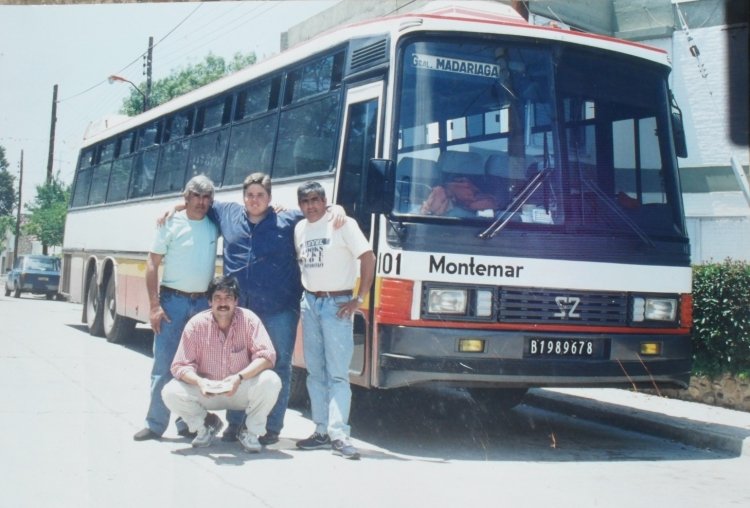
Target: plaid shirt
{"points": [[205, 350]]}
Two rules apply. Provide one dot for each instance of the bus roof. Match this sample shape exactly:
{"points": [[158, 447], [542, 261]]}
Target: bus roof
{"points": [[476, 16]]}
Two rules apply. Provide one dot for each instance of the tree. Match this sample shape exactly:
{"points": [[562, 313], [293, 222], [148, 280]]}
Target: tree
{"points": [[47, 212], [183, 80], [7, 197]]}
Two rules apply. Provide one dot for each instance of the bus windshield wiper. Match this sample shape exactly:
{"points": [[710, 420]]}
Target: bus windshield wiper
{"points": [[599, 193], [516, 204]]}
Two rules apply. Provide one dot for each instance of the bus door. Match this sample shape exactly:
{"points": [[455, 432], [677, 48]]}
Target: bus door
{"points": [[360, 142]]}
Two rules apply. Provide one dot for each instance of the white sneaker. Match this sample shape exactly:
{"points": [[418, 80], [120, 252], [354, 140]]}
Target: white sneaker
{"points": [[249, 441], [206, 434]]}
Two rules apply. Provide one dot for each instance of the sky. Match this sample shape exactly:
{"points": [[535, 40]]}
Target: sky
{"points": [[78, 46]]}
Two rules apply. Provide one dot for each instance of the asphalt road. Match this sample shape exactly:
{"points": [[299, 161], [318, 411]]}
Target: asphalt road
{"points": [[71, 403]]}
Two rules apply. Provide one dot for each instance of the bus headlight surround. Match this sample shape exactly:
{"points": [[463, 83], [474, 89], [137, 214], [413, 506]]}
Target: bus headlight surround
{"points": [[447, 301], [654, 309]]}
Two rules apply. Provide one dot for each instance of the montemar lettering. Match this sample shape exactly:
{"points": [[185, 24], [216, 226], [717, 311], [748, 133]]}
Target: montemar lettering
{"points": [[440, 265]]}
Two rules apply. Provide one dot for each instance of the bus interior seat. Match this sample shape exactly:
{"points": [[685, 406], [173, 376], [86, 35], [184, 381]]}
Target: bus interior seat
{"points": [[415, 178], [453, 164], [465, 184], [499, 182], [311, 155]]}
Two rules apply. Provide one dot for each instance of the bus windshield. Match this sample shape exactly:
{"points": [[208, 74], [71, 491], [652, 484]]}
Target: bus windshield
{"points": [[547, 136]]}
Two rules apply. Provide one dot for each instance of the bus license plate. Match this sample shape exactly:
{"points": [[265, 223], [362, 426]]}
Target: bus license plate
{"points": [[567, 348]]}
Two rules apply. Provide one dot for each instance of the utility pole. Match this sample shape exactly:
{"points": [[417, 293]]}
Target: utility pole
{"points": [[53, 122], [18, 217], [148, 66]]}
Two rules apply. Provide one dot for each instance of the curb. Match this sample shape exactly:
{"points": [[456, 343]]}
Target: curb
{"points": [[699, 434]]}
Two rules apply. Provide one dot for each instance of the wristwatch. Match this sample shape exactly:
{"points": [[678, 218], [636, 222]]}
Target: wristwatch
{"points": [[360, 299]]}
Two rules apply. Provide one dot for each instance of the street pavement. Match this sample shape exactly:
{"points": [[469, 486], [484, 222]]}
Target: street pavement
{"points": [[70, 404]]}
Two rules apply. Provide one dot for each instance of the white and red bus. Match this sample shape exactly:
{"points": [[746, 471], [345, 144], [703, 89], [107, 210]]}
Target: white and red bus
{"points": [[519, 185]]}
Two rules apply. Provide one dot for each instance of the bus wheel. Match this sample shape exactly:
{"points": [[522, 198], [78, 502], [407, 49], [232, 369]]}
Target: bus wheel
{"points": [[493, 400], [298, 396], [117, 328], [94, 307]]}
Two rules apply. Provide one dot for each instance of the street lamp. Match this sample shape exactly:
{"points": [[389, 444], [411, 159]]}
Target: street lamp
{"points": [[114, 78]]}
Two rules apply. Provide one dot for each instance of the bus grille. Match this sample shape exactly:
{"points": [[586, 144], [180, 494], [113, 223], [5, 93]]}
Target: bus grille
{"points": [[553, 306]]}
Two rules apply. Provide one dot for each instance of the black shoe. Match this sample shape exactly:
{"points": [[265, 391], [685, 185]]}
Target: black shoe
{"points": [[315, 442], [269, 438], [344, 449], [186, 433], [145, 435], [232, 433]]}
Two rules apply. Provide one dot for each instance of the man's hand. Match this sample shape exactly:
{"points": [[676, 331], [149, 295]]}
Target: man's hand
{"points": [[155, 317], [346, 310], [338, 216], [203, 385], [164, 217], [233, 380]]}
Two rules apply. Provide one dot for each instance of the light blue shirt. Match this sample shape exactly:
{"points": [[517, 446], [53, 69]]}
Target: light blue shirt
{"points": [[189, 250]]}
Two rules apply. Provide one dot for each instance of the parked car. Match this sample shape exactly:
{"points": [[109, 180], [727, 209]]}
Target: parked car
{"points": [[35, 274]]}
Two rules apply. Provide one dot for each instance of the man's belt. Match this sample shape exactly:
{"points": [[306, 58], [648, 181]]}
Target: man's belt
{"points": [[331, 294], [167, 289]]}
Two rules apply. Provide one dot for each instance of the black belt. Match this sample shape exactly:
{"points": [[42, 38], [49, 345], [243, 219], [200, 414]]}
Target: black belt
{"points": [[330, 294], [167, 289]]}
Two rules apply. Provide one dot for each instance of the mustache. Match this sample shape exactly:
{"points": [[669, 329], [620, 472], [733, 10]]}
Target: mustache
{"points": [[222, 307]]}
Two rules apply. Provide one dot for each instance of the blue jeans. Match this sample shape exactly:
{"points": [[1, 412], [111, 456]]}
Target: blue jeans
{"points": [[328, 347], [282, 328], [179, 309]]}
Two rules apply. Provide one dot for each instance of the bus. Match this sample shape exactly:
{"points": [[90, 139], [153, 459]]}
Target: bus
{"points": [[519, 185]]}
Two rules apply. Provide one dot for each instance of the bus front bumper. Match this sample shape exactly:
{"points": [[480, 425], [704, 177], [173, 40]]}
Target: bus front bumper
{"points": [[409, 356]]}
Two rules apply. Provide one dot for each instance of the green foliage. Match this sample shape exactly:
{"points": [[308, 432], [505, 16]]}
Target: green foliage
{"points": [[7, 183], [47, 213], [183, 80], [7, 197], [721, 318]]}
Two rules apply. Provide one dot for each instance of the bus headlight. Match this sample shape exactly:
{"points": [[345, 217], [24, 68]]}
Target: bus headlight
{"points": [[654, 309], [447, 301]]}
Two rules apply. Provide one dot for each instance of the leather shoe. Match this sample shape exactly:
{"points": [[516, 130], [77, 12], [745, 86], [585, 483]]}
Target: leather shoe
{"points": [[186, 433], [145, 434], [231, 434], [269, 438]]}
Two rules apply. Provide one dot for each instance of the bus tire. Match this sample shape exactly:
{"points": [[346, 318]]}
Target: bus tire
{"points": [[117, 328], [94, 307], [298, 396], [494, 400]]}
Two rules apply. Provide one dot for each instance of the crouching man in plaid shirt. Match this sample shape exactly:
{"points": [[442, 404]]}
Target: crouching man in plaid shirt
{"points": [[223, 362]]}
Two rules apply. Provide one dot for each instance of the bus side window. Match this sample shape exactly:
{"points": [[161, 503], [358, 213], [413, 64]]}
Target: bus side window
{"points": [[250, 149], [144, 169]]}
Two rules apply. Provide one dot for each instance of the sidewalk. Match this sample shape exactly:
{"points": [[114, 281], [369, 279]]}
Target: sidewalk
{"points": [[691, 423]]}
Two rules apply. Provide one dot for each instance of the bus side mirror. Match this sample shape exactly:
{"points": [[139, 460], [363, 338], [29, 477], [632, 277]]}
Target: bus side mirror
{"points": [[379, 191], [678, 131]]}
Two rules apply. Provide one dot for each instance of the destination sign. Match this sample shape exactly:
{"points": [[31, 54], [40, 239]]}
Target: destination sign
{"points": [[446, 64]]}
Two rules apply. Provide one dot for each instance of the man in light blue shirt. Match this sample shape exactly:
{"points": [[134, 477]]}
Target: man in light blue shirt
{"points": [[187, 246]]}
